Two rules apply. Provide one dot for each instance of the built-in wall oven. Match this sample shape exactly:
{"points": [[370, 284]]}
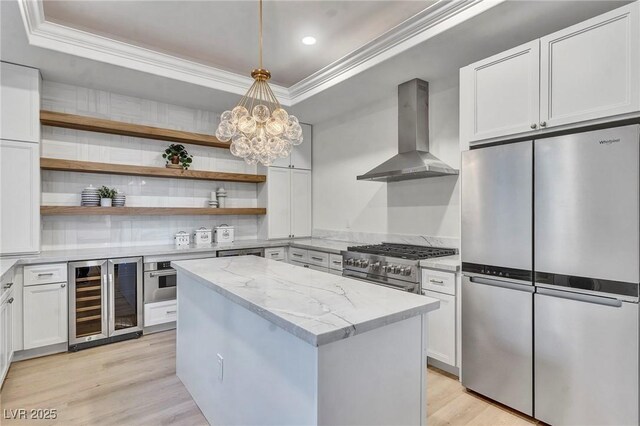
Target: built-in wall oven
{"points": [[159, 281]]}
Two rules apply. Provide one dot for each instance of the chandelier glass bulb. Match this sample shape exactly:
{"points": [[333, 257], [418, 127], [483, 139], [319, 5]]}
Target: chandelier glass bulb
{"points": [[259, 129]]}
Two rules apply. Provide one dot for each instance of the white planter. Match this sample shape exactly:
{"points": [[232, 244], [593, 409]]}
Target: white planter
{"points": [[106, 202]]}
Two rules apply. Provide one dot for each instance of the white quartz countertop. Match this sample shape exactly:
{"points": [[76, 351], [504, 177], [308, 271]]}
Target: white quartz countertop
{"points": [[331, 246], [317, 307], [446, 263]]}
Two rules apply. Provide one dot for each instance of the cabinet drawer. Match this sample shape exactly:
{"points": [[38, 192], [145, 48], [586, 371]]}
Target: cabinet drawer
{"points": [[318, 258], [160, 312], [335, 261], [299, 255], [45, 274], [275, 253], [443, 282]]}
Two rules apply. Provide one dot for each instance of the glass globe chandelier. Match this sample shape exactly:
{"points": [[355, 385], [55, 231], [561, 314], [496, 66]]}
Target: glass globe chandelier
{"points": [[259, 129]]}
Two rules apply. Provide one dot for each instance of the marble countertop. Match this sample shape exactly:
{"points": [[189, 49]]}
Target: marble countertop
{"points": [[446, 263], [317, 307], [6, 264], [331, 246]]}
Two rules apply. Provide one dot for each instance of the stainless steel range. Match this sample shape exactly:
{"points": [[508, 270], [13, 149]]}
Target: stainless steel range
{"points": [[392, 265]]}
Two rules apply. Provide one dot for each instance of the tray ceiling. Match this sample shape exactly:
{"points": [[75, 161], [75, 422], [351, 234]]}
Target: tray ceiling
{"points": [[224, 34]]}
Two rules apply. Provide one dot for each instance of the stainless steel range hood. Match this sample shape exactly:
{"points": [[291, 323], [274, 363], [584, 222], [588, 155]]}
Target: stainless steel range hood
{"points": [[413, 160]]}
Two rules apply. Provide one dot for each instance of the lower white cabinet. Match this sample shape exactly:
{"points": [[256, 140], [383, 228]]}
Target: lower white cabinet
{"points": [[6, 334], [441, 342], [19, 197], [160, 312], [45, 315], [287, 196], [275, 253]]}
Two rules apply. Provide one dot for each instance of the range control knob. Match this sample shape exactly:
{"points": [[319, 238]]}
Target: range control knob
{"points": [[356, 262], [386, 268], [364, 263], [375, 266], [349, 262], [406, 272]]}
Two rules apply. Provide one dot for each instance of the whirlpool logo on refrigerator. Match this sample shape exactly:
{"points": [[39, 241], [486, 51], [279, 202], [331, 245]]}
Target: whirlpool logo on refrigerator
{"points": [[608, 141]]}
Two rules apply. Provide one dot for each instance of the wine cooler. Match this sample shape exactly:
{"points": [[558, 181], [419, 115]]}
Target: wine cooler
{"points": [[105, 301]]}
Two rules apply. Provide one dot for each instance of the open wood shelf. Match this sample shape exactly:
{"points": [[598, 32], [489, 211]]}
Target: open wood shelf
{"points": [[125, 169], [87, 298], [147, 211], [100, 125], [89, 308], [89, 288]]}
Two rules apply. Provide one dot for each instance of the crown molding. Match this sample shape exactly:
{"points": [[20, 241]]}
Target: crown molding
{"points": [[435, 19]]}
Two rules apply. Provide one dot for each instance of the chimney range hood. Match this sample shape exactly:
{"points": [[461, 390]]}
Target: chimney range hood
{"points": [[413, 161]]}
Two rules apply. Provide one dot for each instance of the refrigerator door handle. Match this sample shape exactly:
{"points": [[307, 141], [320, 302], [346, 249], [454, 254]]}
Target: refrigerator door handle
{"points": [[598, 300], [511, 284]]}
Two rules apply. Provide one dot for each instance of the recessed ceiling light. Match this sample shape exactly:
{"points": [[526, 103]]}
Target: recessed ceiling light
{"points": [[308, 40]]}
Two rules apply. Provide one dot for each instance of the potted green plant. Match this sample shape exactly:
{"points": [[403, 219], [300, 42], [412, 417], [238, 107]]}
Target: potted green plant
{"points": [[106, 196], [177, 157]]}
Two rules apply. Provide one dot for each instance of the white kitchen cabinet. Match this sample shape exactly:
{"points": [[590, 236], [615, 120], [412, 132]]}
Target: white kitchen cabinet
{"points": [[591, 70], [45, 315], [6, 333], [275, 253], [19, 197], [160, 312], [20, 103], [441, 344], [300, 157], [585, 74], [300, 203], [287, 197], [500, 95]]}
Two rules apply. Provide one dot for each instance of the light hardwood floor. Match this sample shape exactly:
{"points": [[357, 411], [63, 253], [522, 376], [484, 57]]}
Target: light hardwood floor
{"points": [[134, 383]]}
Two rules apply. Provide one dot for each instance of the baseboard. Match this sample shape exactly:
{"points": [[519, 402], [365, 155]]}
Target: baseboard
{"points": [[38, 352], [443, 366]]}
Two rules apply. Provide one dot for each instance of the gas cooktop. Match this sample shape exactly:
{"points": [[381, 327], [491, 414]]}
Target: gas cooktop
{"points": [[403, 251]]}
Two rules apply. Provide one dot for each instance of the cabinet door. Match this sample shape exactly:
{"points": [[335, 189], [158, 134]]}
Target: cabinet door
{"points": [[19, 197], [591, 70], [20, 103], [279, 203], [125, 295], [301, 154], [45, 315], [500, 95], [441, 342], [4, 364], [301, 203]]}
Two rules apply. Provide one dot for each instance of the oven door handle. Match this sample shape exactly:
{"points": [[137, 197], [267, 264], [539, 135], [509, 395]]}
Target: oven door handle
{"points": [[162, 274]]}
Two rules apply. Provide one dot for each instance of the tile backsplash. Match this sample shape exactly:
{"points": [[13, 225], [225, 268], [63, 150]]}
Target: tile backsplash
{"points": [[63, 188]]}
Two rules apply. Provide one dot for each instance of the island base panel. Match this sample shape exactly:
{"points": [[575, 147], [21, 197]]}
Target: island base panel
{"points": [[269, 376]]}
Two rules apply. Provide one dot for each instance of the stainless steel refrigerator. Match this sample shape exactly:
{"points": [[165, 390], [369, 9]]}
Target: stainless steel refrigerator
{"points": [[583, 240]]}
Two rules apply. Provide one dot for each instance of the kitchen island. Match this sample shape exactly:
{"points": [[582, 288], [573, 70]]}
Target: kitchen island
{"points": [[265, 342]]}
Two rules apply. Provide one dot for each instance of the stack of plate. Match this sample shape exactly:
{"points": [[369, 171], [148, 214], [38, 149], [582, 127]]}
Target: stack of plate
{"points": [[90, 197], [118, 200], [213, 203]]}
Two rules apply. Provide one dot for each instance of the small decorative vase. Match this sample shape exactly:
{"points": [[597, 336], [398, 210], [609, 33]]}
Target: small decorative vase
{"points": [[106, 202]]}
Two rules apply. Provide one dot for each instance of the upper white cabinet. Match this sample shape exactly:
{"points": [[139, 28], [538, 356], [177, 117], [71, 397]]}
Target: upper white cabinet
{"points": [[19, 197], [590, 71], [19, 103], [500, 95], [287, 197], [300, 157]]}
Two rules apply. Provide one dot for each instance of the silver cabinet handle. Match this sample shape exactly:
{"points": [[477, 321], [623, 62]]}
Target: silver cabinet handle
{"points": [[297, 255], [10, 300], [162, 274], [319, 259], [534, 126], [436, 281], [543, 124], [63, 285], [8, 285], [274, 254], [172, 312], [47, 274], [337, 262]]}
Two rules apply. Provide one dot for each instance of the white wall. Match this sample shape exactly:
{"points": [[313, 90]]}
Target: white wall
{"points": [[63, 188], [354, 143]]}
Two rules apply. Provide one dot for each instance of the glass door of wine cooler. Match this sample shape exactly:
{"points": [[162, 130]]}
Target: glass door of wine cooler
{"points": [[125, 290], [87, 301]]}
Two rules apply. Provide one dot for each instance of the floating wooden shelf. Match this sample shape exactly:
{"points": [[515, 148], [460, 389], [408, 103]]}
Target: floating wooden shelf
{"points": [[147, 211], [100, 125], [125, 169]]}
